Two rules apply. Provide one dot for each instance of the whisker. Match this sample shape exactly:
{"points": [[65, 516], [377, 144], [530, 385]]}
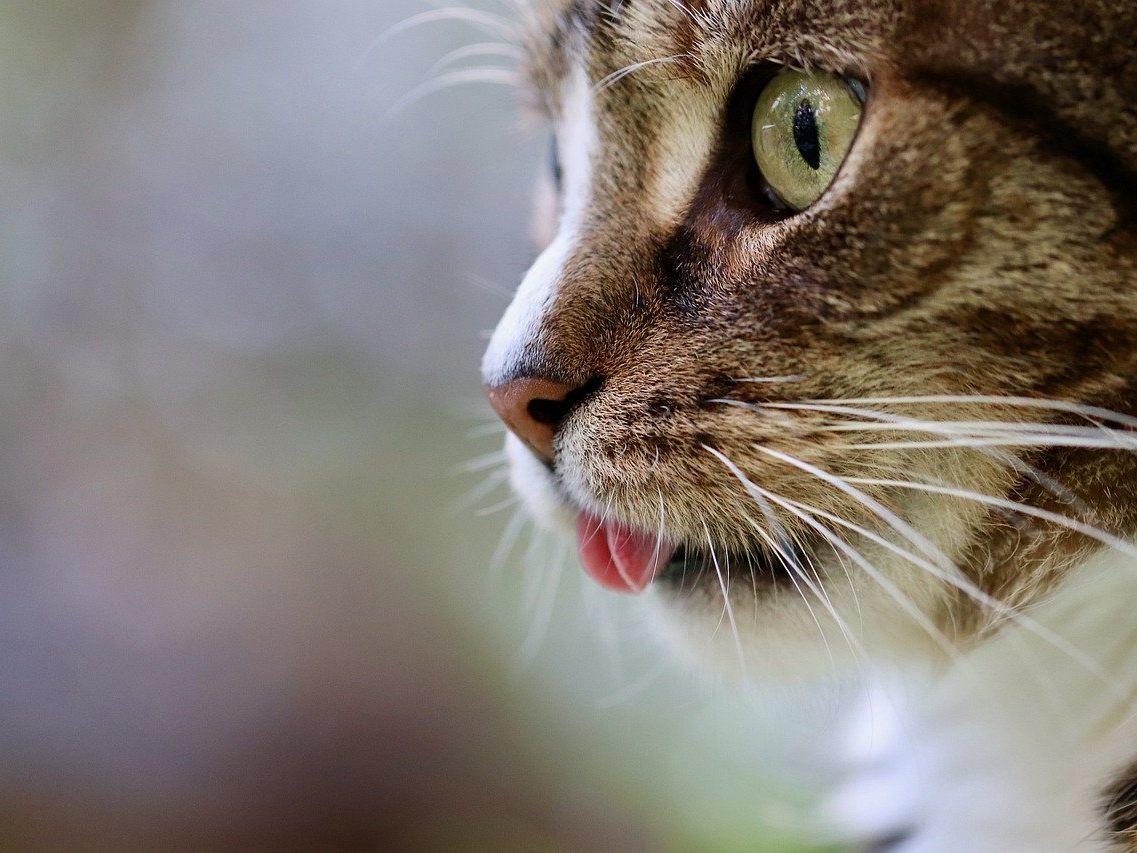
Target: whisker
{"points": [[1053, 486], [492, 76], [631, 691], [533, 568], [978, 442], [616, 76], [726, 600], [791, 565], [955, 579], [486, 430], [836, 542], [480, 463], [476, 51], [886, 421], [543, 614], [489, 286], [493, 509], [1086, 530], [887, 515], [509, 536], [794, 572], [960, 582], [682, 8], [982, 399], [819, 589], [784, 556], [490, 482], [487, 22], [905, 602], [968, 428]]}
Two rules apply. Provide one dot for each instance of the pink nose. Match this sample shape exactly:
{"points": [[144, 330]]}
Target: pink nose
{"points": [[533, 409]]}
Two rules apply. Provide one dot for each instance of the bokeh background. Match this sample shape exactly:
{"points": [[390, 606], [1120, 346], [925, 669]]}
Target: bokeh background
{"points": [[261, 584]]}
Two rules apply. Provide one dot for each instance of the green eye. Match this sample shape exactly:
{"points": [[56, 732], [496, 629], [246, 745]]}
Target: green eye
{"points": [[804, 126]]}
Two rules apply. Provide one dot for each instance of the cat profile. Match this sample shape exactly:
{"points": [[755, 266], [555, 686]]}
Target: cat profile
{"points": [[834, 342]]}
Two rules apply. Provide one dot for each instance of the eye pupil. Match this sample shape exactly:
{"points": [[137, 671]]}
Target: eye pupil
{"points": [[806, 136]]}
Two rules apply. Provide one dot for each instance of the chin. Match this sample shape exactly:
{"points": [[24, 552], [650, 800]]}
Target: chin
{"points": [[535, 484], [773, 636], [744, 616]]}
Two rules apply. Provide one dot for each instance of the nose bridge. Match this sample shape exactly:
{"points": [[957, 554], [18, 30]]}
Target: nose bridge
{"points": [[586, 304], [563, 320]]}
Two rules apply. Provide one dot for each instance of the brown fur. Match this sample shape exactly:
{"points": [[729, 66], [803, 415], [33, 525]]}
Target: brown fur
{"points": [[981, 239], [1121, 810], [981, 243]]}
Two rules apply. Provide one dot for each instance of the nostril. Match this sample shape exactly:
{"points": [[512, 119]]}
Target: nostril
{"points": [[552, 412], [548, 412], [534, 408], [577, 396]]}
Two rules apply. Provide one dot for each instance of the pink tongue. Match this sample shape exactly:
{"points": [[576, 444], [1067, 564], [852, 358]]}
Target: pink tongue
{"points": [[617, 557]]}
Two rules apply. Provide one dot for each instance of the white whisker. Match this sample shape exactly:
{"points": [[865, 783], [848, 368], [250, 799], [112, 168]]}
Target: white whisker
{"points": [[1086, 530], [631, 691], [486, 430], [493, 509], [485, 21], [535, 569], [793, 569], [480, 463], [728, 609], [960, 582], [836, 542], [618, 75], [505, 544], [475, 51], [490, 482], [682, 8], [887, 421], [892, 519], [1026, 441], [543, 613], [981, 399], [492, 76]]}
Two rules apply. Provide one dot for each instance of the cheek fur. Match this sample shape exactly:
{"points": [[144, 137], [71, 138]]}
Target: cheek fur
{"points": [[965, 250]]}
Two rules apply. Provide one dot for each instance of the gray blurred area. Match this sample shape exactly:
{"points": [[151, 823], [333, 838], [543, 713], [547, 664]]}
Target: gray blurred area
{"points": [[242, 600]]}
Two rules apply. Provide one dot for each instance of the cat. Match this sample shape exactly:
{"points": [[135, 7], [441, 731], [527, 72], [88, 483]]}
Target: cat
{"points": [[833, 342]]}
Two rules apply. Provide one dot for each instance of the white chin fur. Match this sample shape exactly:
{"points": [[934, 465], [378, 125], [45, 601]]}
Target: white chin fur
{"points": [[531, 481], [776, 636], [768, 632]]}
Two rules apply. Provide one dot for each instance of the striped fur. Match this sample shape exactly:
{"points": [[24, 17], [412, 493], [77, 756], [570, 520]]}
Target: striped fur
{"points": [[979, 243]]}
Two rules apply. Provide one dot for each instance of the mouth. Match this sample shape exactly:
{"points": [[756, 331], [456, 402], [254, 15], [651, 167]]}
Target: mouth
{"points": [[624, 559]]}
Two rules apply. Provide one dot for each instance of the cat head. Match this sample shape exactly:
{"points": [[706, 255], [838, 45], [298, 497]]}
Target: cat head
{"points": [[834, 335]]}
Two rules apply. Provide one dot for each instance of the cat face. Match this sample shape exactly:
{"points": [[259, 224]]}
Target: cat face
{"points": [[834, 298]]}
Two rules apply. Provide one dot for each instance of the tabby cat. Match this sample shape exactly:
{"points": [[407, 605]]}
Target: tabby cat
{"points": [[833, 343]]}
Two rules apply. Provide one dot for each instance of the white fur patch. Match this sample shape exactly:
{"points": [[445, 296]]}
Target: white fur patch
{"points": [[518, 330], [1010, 751]]}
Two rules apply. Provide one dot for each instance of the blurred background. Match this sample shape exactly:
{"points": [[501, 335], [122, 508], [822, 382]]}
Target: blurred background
{"points": [[261, 582]]}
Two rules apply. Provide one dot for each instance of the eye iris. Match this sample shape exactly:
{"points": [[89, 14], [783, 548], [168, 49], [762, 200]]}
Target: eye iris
{"points": [[803, 127], [806, 136]]}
